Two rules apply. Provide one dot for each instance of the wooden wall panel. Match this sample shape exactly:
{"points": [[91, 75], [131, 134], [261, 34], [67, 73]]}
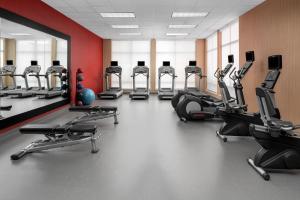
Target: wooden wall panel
{"points": [[201, 61], [273, 28], [152, 65], [107, 51], [10, 53]]}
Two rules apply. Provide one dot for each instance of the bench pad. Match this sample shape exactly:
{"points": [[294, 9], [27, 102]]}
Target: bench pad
{"points": [[38, 128], [92, 108], [83, 128]]}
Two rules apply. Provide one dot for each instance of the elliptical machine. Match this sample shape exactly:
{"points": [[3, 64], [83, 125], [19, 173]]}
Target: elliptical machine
{"points": [[280, 144], [112, 92], [166, 69], [189, 71], [142, 92], [193, 107], [235, 115]]}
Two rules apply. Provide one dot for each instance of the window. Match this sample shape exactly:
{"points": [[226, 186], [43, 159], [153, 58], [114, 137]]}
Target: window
{"points": [[127, 53], [230, 45], [28, 50], [1, 52], [212, 62], [179, 53], [62, 52]]}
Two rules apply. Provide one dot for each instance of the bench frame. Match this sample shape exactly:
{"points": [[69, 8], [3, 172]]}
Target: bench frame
{"points": [[56, 139]]}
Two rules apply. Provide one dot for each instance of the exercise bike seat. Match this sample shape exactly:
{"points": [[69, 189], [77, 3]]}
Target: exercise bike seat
{"points": [[38, 128]]}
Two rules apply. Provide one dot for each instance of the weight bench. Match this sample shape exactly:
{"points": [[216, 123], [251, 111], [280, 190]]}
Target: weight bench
{"points": [[58, 136], [93, 113]]}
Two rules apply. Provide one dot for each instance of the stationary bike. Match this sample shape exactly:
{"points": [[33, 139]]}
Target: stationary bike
{"points": [[280, 143]]}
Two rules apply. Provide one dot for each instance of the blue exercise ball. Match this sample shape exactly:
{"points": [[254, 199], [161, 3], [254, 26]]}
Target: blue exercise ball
{"points": [[87, 96]]}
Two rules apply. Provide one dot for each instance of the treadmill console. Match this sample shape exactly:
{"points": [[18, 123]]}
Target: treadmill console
{"points": [[166, 63], [9, 62], [34, 63], [193, 63], [9, 68], [193, 70], [113, 70], [166, 70], [114, 63], [55, 63], [141, 63], [140, 70], [33, 68]]}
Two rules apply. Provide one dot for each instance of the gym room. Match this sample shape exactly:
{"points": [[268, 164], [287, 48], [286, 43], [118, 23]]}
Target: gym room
{"points": [[160, 100]]}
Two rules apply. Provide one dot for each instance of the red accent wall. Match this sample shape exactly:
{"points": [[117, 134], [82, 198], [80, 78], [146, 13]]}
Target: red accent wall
{"points": [[86, 47]]}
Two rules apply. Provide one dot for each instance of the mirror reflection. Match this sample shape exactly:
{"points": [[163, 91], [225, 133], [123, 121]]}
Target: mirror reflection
{"points": [[33, 69]]}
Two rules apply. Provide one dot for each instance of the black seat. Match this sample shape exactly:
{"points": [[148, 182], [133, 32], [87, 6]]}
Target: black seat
{"points": [[38, 128], [83, 128]]}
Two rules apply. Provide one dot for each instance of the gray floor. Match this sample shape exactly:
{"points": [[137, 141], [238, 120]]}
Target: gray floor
{"points": [[149, 155]]}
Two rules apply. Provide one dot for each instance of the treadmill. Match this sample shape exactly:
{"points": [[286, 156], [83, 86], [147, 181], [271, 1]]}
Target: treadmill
{"points": [[8, 71], [32, 70], [112, 92], [191, 69], [141, 92], [54, 71], [166, 69]]}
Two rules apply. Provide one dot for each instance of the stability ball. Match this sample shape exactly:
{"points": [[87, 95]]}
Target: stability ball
{"points": [[87, 96]]}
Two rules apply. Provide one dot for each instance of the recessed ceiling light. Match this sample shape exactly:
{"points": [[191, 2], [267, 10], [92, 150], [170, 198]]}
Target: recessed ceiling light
{"points": [[129, 34], [189, 14], [182, 26], [125, 26], [20, 34], [118, 15], [176, 34]]}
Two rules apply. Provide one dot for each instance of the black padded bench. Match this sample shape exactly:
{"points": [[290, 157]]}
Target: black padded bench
{"points": [[93, 108], [49, 128]]}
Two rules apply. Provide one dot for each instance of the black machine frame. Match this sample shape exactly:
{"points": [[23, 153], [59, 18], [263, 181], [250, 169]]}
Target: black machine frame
{"points": [[11, 16]]}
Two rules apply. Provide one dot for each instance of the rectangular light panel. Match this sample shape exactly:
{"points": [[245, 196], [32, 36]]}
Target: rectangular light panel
{"points": [[118, 15], [176, 34], [189, 14], [125, 26], [182, 26], [130, 34]]}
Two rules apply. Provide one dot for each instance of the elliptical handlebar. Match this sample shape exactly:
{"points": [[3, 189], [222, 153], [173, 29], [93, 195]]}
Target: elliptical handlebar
{"points": [[233, 77], [216, 74]]}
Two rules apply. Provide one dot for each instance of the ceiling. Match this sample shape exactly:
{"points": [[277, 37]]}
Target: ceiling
{"points": [[8, 28], [153, 16]]}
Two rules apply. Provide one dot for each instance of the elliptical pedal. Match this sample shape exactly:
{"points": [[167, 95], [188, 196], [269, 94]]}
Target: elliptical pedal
{"points": [[259, 170], [222, 137]]}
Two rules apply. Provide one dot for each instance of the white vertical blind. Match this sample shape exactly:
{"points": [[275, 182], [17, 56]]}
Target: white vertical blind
{"points": [[230, 45], [127, 53], [28, 50], [1, 52], [62, 52], [179, 53], [212, 62]]}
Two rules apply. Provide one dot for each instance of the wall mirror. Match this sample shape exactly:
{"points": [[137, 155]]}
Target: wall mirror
{"points": [[34, 68]]}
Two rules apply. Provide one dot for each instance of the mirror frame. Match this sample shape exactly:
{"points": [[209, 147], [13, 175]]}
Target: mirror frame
{"points": [[11, 16]]}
